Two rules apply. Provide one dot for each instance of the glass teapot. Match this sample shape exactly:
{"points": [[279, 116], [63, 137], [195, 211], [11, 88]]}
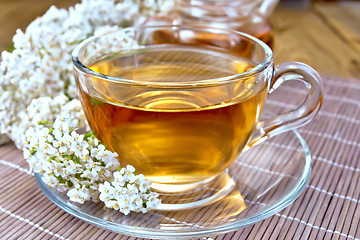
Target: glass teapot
{"points": [[249, 16]]}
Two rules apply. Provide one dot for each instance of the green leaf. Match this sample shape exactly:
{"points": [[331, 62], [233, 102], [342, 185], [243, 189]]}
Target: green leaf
{"points": [[32, 151], [76, 159], [51, 130], [11, 47], [90, 134], [77, 175], [85, 179], [51, 158], [70, 184], [60, 179], [45, 122]]}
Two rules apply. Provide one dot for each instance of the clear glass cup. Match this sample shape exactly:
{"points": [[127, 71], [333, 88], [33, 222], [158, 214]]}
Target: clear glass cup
{"points": [[181, 111]]}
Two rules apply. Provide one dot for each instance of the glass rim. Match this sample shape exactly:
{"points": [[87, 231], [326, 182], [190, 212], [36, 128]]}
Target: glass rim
{"points": [[266, 62]]}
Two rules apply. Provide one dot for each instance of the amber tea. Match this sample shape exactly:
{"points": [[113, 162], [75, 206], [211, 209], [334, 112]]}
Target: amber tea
{"points": [[174, 135], [180, 103]]}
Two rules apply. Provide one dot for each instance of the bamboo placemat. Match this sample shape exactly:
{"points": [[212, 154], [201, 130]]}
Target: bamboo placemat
{"points": [[329, 207]]}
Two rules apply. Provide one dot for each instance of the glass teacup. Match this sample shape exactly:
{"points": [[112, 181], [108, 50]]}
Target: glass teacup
{"points": [[179, 109]]}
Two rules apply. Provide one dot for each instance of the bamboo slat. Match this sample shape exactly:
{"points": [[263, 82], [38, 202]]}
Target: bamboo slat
{"points": [[329, 207]]}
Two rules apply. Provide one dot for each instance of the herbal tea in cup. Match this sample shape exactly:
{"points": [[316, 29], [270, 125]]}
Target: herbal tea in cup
{"points": [[180, 112]]}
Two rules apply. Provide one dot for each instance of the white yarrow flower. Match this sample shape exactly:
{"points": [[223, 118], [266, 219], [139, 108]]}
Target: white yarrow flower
{"points": [[78, 195], [128, 196], [37, 83], [36, 77], [84, 171]]}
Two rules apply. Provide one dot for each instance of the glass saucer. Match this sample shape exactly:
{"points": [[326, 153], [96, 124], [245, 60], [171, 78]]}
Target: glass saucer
{"points": [[268, 178]]}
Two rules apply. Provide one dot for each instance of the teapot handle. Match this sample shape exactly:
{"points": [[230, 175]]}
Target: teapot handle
{"points": [[267, 7]]}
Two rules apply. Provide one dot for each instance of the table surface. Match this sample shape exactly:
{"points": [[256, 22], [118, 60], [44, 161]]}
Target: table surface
{"points": [[327, 37]]}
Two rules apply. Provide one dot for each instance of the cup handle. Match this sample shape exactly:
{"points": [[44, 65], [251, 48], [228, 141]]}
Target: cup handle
{"points": [[291, 71]]}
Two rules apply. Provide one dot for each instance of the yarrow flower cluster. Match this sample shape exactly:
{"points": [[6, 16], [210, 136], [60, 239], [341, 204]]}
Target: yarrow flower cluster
{"points": [[128, 192], [40, 64], [47, 108], [36, 83], [81, 165]]}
